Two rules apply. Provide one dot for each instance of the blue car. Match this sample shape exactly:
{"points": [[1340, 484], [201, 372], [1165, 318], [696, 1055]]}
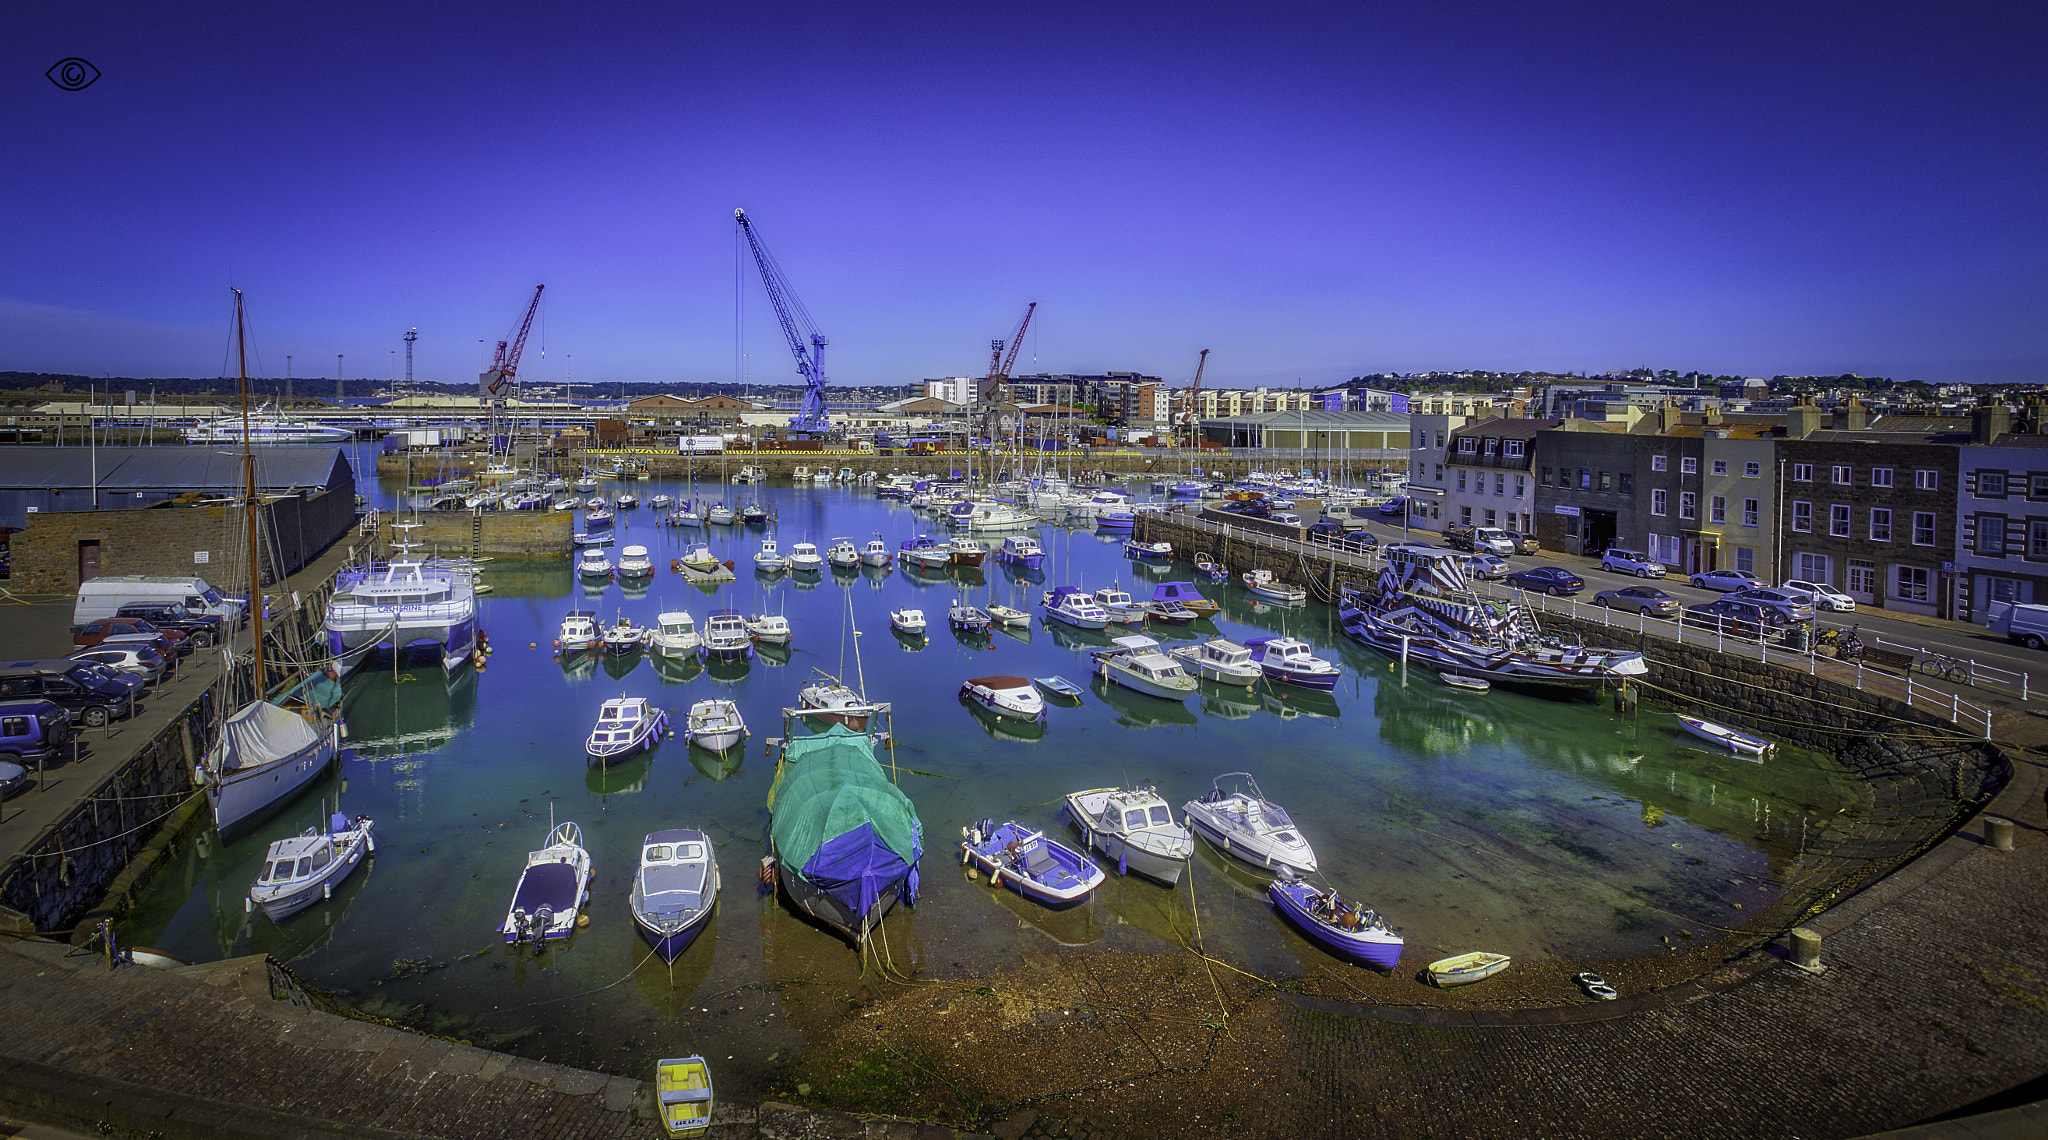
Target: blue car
{"points": [[1547, 580], [1395, 506]]}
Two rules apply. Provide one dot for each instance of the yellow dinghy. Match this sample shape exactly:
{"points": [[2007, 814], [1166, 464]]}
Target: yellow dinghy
{"points": [[1464, 969], [683, 1085]]}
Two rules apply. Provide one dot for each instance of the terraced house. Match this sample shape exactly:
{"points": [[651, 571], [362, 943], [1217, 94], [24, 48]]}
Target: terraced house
{"points": [[1488, 478], [2002, 511]]}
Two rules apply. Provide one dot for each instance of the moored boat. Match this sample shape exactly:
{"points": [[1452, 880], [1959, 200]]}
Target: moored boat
{"points": [[1119, 606], [1220, 660], [1464, 969], [594, 564], [623, 636], [1184, 594], [1210, 570], [1134, 827], [828, 700], [1005, 695], [1135, 549], [682, 1089], [968, 618], [725, 636], [578, 632], [1740, 743], [844, 840], [1292, 661], [1030, 862], [1238, 818], [675, 635], [1135, 662], [715, 725], [1021, 550], [843, 553], [769, 629], [805, 559], [553, 886], [769, 557], [1005, 615], [1073, 606], [625, 727], [634, 563], [1352, 930], [1265, 585], [1060, 687], [875, 553], [907, 621], [674, 889], [303, 869]]}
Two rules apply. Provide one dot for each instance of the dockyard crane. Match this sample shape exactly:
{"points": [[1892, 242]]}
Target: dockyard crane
{"points": [[1195, 403], [505, 365], [810, 419], [992, 388]]}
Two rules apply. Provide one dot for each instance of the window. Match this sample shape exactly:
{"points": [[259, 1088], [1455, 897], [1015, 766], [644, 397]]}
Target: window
{"points": [[1439, 474], [2004, 589], [1913, 583], [1564, 476], [1664, 548], [1880, 476], [1844, 475], [1500, 484], [1749, 512], [2037, 538], [1521, 485], [1512, 448], [1991, 483], [1880, 524], [1814, 568], [1491, 519], [1492, 446], [1752, 470], [1745, 559], [1838, 520], [1802, 516], [1546, 476], [1717, 509], [1720, 467], [2038, 488], [1468, 446], [1585, 479], [1688, 505], [1465, 515], [1606, 484], [1862, 577], [1419, 470], [1802, 472], [1925, 480], [1923, 528], [1990, 534], [1439, 439], [1689, 465], [1657, 462], [1657, 501], [1627, 483]]}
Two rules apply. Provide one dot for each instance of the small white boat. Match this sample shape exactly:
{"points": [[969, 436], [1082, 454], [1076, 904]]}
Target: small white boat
{"points": [[829, 701], [1265, 585], [675, 889], [1740, 743], [770, 629], [553, 886], [1221, 660], [715, 725], [675, 635], [626, 502], [596, 503], [968, 618], [843, 554], [907, 620], [634, 563], [725, 636], [1119, 606], [805, 559], [719, 515], [585, 485], [1070, 604], [578, 632], [1464, 969], [1004, 615], [1135, 662], [1135, 549], [769, 557], [594, 564], [1060, 687], [1292, 661], [1240, 819], [623, 636], [625, 727], [1134, 827], [1468, 684], [302, 870], [821, 475], [661, 502], [875, 553], [1005, 696]]}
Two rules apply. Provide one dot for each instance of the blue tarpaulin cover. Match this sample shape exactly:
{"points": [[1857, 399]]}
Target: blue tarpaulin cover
{"points": [[841, 823]]}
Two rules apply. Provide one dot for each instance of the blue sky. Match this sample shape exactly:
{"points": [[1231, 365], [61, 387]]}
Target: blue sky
{"points": [[1310, 191]]}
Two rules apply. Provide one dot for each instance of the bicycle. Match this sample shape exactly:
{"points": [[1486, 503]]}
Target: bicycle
{"points": [[1946, 667]]}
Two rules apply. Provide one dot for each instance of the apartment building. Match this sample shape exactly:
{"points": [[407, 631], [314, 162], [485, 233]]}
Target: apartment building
{"points": [[2001, 552], [1488, 479]]}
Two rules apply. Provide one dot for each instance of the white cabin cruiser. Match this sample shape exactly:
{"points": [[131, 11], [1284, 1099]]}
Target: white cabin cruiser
{"points": [[1135, 662], [843, 554], [593, 563], [1134, 827], [675, 889], [875, 553], [805, 559], [769, 557], [1221, 660], [907, 620], [675, 635], [1245, 824], [1005, 696], [634, 563], [302, 870], [553, 886], [579, 632], [769, 629], [402, 604], [1070, 604]]}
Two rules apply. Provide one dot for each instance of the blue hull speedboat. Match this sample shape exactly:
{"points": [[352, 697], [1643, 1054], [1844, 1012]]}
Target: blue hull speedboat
{"points": [[1351, 930]]}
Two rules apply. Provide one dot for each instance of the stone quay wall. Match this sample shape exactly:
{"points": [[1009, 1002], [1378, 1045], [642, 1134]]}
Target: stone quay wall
{"points": [[202, 541], [501, 534]]}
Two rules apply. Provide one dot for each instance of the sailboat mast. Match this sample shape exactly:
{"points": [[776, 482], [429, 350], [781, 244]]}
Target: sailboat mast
{"points": [[249, 503]]}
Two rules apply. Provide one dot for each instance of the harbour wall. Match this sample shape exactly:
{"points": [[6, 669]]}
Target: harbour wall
{"points": [[711, 469], [203, 541], [500, 534]]}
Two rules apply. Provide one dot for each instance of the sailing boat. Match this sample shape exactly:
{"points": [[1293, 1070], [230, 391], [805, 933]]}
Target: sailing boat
{"points": [[265, 753]]}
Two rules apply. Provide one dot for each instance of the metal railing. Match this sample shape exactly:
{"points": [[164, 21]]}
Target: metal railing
{"points": [[1962, 670]]}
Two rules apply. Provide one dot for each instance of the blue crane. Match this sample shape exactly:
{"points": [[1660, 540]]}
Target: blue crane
{"points": [[810, 419]]}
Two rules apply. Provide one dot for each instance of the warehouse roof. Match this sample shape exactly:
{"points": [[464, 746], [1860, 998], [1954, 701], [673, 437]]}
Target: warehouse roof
{"points": [[170, 469]]}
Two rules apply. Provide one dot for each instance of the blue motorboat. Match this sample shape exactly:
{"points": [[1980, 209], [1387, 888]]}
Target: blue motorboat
{"points": [[1354, 931], [1030, 862], [1184, 594], [675, 889]]}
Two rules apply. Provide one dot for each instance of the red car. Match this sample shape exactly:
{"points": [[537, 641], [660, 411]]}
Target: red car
{"points": [[92, 633]]}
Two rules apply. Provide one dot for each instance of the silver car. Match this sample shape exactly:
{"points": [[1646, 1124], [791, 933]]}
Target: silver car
{"points": [[135, 660], [1640, 600], [1486, 567], [1787, 604]]}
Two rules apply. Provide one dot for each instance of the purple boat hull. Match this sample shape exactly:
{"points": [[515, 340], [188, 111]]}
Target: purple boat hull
{"points": [[1375, 946]]}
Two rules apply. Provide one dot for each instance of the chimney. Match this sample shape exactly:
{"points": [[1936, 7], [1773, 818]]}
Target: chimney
{"points": [[1990, 420], [1801, 419], [1852, 416]]}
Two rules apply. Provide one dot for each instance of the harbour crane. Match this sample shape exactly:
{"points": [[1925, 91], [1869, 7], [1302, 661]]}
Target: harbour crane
{"points": [[810, 419], [497, 380], [992, 389], [1195, 403]]}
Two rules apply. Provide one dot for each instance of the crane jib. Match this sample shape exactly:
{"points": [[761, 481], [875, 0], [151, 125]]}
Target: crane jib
{"points": [[811, 417]]}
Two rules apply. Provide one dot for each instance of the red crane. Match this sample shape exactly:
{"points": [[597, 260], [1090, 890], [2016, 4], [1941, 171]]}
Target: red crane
{"points": [[999, 365], [505, 365]]}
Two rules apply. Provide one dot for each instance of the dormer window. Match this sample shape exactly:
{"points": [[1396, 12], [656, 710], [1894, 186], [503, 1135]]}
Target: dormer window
{"points": [[1512, 448], [1468, 446]]}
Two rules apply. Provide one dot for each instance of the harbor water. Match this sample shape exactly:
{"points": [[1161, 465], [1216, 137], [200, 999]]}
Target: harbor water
{"points": [[1546, 829]]}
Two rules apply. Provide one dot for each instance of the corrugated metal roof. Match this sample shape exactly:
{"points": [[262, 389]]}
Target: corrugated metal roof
{"points": [[171, 469], [1317, 418]]}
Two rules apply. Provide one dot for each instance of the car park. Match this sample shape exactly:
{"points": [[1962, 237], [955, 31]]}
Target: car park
{"points": [[33, 729], [1727, 581], [1788, 605], [135, 660], [1640, 600], [90, 692], [1486, 567], [1822, 595], [1620, 560], [1547, 580], [92, 633]]}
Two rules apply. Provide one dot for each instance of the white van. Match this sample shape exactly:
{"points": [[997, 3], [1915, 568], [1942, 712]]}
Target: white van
{"points": [[2020, 622], [101, 597]]}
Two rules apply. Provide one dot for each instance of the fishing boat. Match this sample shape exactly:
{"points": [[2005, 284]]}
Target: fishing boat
{"points": [[1465, 684], [805, 559], [1021, 550], [769, 557], [595, 539], [1464, 969], [1238, 818], [682, 1088], [1210, 570], [625, 727], [1005, 696], [1172, 613], [407, 604], [1134, 827], [715, 725], [966, 551], [968, 618], [675, 889], [675, 635], [719, 515], [1184, 594], [1008, 616], [1135, 549], [578, 632], [769, 629], [661, 502], [1220, 660], [906, 620], [844, 841], [597, 519], [843, 554], [1740, 743], [1423, 612], [623, 636], [1263, 584], [1135, 662], [1292, 661], [1030, 862], [302, 870], [1351, 930], [1122, 610], [634, 563], [923, 551], [1075, 607], [875, 553], [754, 514], [725, 636], [1060, 687], [593, 564], [553, 886], [828, 700]]}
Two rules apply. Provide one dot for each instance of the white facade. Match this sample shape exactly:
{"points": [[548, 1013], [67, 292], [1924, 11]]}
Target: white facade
{"points": [[954, 390]]}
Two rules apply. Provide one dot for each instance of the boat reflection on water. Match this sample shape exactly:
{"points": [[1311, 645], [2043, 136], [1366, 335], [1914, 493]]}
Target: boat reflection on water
{"points": [[922, 576], [410, 712], [1016, 632], [1136, 710], [669, 986], [771, 654], [1067, 925], [1231, 702], [1015, 573], [718, 766], [677, 670], [619, 666], [1008, 728], [580, 665], [974, 639], [606, 782], [874, 576], [1290, 701], [728, 671], [910, 642], [1067, 637]]}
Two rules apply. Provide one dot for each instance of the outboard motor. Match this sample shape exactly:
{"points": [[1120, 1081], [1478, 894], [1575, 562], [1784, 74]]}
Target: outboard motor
{"points": [[543, 920], [518, 925]]}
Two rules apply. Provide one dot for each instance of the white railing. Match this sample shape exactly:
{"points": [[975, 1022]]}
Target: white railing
{"points": [[1962, 670]]}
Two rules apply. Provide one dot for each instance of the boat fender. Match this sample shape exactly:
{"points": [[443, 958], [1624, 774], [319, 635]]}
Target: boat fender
{"points": [[582, 921], [327, 890], [248, 905], [1123, 863], [1603, 992]]}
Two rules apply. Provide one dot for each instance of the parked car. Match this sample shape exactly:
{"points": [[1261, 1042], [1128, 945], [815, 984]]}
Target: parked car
{"points": [[2021, 623], [1624, 561], [1326, 530], [13, 778], [135, 660], [1789, 606], [1547, 580], [1736, 619], [1358, 540], [1395, 507], [202, 629], [1250, 508], [89, 691], [1486, 567], [33, 729], [1822, 595], [1640, 600], [1525, 543], [1727, 581], [1286, 518], [1487, 539], [93, 632]]}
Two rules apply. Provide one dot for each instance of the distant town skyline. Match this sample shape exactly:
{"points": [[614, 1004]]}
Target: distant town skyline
{"points": [[1312, 193]]}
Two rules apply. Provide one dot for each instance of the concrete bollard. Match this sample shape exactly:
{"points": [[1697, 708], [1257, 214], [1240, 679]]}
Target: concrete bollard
{"points": [[1805, 948], [1997, 833]]}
